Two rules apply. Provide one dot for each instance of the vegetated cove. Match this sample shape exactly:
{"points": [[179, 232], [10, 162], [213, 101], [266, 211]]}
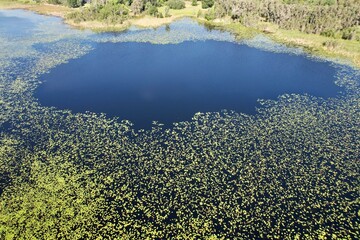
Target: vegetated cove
{"points": [[144, 82], [291, 171]]}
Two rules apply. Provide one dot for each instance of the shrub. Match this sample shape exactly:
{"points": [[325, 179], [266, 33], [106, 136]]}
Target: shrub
{"points": [[328, 33], [207, 3], [113, 12], [220, 10], [176, 4], [330, 44], [151, 9], [54, 1], [137, 6], [348, 34], [73, 3], [166, 11], [194, 2], [210, 15]]}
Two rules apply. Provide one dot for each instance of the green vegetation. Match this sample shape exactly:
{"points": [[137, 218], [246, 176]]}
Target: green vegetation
{"points": [[111, 12], [73, 3], [56, 2], [151, 9], [329, 18], [318, 2], [176, 4], [207, 3], [166, 11], [315, 17], [290, 172], [137, 6], [320, 26], [210, 15]]}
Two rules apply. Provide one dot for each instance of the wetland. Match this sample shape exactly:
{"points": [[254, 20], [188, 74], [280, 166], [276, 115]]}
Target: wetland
{"points": [[261, 140]]}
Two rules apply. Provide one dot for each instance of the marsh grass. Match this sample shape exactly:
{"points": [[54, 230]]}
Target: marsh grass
{"points": [[317, 44]]}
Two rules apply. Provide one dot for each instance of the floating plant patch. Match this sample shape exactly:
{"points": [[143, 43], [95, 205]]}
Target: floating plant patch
{"points": [[290, 171]]}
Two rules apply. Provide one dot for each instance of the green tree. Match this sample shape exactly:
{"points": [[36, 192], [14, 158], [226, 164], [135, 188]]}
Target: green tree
{"points": [[176, 4], [167, 9], [207, 3], [73, 3], [210, 15], [137, 6], [151, 9]]}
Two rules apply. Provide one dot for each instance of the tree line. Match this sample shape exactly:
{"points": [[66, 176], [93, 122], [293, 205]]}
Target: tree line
{"points": [[331, 18], [115, 11]]}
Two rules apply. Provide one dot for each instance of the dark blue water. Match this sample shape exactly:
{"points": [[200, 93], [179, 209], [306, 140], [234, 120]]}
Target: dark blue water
{"points": [[143, 82]]}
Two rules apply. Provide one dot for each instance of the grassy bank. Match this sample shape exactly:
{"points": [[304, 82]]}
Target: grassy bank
{"points": [[320, 45], [312, 43], [315, 44], [45, 9]]}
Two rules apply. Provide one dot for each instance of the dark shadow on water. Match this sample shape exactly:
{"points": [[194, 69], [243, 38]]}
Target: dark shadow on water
{"points": [[143, 82]]}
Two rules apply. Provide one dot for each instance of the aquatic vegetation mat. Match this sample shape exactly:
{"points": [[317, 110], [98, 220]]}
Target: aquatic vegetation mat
{"points": [[289, 172]]}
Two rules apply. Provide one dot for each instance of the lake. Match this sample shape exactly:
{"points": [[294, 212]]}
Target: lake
{"points": [[144, 82], [289, 171]]}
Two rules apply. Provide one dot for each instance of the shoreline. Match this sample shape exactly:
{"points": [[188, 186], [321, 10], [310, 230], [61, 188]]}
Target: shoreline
{"points": [[311, 43]]}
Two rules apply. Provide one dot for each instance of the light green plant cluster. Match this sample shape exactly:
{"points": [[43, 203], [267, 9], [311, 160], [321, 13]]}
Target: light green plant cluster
{"points": [[50, 202]]}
